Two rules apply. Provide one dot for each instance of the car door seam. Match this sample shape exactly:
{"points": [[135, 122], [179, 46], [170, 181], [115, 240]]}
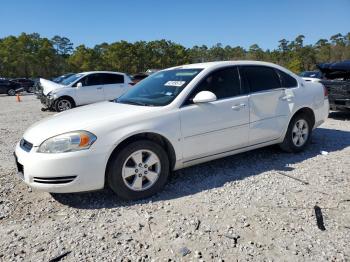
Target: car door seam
{"points": [[267, 118], [228, 151], [216, 130]]}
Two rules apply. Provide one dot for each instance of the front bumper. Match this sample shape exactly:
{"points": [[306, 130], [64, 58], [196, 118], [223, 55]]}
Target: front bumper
{"points": [[340, 104], [64, 172], [47, 101]]}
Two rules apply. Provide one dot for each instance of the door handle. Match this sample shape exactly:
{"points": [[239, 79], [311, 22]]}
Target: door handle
{"points": [[286, 97], [238, 106], [100, 87]]}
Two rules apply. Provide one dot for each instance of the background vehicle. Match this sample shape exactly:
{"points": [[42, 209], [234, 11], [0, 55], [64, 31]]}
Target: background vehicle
{"points": [[173, 119], [59, 79], [151, 71], [138, 77], [9, 87], [26, 84], [312, 76], [337, 82], [83, 88]]}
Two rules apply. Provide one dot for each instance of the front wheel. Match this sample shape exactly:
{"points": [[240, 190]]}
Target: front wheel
{"points": [[298, 134], [63, 104], [139, 170]]}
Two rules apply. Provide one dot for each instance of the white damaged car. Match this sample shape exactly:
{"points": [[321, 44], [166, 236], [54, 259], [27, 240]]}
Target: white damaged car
{"points": [[82, 89], [173, 119]]}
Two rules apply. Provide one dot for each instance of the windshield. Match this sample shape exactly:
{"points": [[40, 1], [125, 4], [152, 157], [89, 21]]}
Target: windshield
{"points": [[159, 89], [70, 79], [59, 79], [314, 74]]}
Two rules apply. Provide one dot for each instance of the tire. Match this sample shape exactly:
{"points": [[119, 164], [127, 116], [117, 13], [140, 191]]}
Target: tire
{"points": [[63, 104], [128, 174], [30, 89], [11, 92], [298, 134]]}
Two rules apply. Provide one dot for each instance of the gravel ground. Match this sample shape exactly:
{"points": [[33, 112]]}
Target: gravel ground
{"points": [[253, 206]]}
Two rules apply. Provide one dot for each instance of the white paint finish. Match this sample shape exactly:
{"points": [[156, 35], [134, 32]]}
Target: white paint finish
{"points": [[312, 79], [269, 114], [113, 91], [49, 85], [204, 97], [86, 94], [208, 130]]}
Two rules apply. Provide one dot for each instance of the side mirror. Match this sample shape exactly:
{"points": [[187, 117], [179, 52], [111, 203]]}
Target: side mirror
{"points": [[79, 85], [204, 97]]}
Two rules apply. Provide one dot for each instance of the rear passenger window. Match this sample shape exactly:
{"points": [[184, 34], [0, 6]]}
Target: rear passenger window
{"points": [[108, 79], [224, 83], [261, 78], [287, 80]]}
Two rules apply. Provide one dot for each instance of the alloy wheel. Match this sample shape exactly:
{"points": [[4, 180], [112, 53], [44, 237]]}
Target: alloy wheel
{"points": [[300, 133], [11, 92], [141, 170], [63, 105]]}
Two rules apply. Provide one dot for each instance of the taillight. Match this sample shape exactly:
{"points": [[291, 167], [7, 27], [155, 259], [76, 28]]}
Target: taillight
{"points": [[325, 90]]}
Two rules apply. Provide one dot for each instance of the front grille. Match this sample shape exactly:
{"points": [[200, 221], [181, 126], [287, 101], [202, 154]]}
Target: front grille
{"points": [[340, 102], [54, 180], [25, 145]]}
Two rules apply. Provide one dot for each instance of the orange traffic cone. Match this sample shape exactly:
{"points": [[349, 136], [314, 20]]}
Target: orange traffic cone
{"points": [[18, 98]]}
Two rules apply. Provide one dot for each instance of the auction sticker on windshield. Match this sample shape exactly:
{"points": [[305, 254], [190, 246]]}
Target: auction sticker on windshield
{"points": [[175, 83]]}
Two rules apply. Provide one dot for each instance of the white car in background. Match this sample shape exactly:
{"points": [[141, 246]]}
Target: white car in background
{"points": [[173, 119], [83, 88], [311, 76]]}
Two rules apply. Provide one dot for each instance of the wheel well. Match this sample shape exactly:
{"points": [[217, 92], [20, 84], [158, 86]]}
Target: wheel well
{"points": [[307, 111], [67, 97], [159, 139]]}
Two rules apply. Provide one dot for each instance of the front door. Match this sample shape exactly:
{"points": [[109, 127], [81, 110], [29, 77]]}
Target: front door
{"points": [[91, 90], [219, 126]]}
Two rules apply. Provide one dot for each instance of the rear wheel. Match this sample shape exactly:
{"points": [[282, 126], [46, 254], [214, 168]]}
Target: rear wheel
{"points": [[63, 104], [298, 134], [31, 89], [139, 170], [11, 92]]}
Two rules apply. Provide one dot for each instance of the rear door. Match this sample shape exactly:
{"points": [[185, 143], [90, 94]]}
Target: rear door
{"points": [[113, 85], [219, 126], [269, 103], [91, 90]]}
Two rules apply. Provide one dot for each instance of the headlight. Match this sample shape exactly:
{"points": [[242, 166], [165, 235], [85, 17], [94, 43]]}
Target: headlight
{"points": [[68, 142]]}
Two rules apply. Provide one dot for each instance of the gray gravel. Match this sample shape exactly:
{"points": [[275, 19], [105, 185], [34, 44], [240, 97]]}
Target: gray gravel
{"points": [[245, 207]]}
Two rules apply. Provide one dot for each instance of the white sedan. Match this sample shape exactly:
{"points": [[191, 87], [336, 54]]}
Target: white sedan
{"points": [[175, 118], [83, 88]]}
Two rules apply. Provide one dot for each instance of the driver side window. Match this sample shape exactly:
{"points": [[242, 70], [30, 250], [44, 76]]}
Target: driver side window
{"points": [[224, 83], [90, 80]]}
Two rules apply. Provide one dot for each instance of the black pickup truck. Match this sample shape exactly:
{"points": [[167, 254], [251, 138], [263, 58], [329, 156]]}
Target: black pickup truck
{"points": [[336, 78]]}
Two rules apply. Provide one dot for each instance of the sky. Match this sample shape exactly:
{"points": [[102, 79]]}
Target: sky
{"points": [[187, 22]]}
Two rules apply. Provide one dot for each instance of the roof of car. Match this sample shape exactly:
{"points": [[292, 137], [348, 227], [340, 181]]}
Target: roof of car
{"points": [[109, 72], [223, 63]]}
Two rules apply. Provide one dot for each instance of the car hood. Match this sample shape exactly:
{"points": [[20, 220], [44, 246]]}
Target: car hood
{"points": [[85, 118], [48, 85]]}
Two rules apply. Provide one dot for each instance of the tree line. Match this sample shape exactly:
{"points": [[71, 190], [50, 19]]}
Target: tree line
{"points": [[30, 55]]}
